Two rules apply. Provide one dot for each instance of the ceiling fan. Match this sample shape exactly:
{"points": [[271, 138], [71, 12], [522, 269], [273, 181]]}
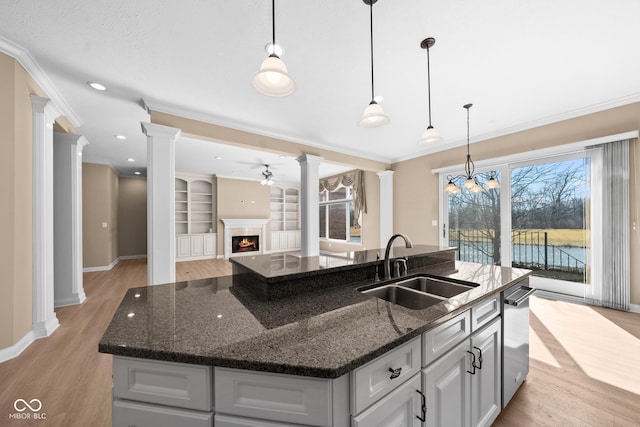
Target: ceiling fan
{"points": [[267, 176]]}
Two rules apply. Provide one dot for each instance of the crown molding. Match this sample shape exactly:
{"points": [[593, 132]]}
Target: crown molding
{"points": [[30, 65], [152, 105], [595, 108]]}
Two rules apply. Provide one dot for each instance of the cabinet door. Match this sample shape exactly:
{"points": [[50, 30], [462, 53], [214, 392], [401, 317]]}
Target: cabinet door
{"points": [[184, 246], [291, 239], [275, 240], [486, 383], [447, 386], [197, 245], [210, 244], [401, 407], [298, 239]]}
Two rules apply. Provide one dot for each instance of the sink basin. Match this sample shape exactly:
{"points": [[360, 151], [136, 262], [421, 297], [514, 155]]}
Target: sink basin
{"points": [[434, 286], [405, 297]]}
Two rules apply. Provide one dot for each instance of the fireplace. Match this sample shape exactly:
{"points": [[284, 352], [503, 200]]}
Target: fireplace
{"points": [[245, 243]]}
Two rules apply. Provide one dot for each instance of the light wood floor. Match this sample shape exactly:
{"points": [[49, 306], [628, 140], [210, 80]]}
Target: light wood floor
{"points": [[585, 361]]}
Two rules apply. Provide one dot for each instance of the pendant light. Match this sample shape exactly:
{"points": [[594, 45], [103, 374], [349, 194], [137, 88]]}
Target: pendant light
{"points": [[373, 115], [267, 176], [430, 135], [471, 182], [273, 78]]}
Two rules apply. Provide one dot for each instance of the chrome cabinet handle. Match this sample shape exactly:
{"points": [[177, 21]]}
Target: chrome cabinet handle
{"points": [[395, 373], [424, 407], [473, 363], [479, 357]]}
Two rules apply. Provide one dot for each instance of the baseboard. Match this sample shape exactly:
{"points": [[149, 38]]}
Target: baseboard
{"points": [[44, 329], [16, 349], [123, 257], [74, 300], [634, 308], [102, 267], [560, 297]]}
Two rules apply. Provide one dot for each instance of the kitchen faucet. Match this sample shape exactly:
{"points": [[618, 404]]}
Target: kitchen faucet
{"points": [[387, 261]]}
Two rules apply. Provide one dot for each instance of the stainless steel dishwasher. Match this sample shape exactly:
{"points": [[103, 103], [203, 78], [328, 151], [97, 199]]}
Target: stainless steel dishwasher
{"points": [[515, 338]]}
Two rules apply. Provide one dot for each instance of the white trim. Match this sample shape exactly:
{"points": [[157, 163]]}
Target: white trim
{"points": [[123, 257], [246, 127], [603, 106], [560, 297], [541, 153], [102, 267], [15, 350], [30, 65], [75, 300], [244, 223], [634, 308]]}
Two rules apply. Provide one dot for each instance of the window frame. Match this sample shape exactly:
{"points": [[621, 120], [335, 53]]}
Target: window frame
{"points": [[349, 207]]}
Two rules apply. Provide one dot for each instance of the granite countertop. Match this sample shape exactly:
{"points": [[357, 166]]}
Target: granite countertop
{"points": [[324, 333]]}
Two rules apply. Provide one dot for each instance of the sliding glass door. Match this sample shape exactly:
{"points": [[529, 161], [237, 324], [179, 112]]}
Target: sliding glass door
{"points": [[539, 219]]}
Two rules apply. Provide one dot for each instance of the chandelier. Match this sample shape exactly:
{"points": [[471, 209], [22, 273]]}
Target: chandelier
{"points": [[471, 182]]}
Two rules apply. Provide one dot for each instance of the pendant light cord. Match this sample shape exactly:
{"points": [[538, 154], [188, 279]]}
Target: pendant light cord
{"points": [[429, 85], [273, 25], [469, 166], [371, 34]]}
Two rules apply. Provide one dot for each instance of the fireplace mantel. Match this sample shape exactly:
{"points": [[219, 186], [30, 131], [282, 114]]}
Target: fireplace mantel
{"points": [[239, 226]]}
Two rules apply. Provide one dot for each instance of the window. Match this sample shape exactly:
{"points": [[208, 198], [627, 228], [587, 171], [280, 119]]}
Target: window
{"points": [[337, 216]]}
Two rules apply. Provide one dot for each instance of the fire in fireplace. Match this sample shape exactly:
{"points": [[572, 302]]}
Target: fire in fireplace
{"points": [[245, 244]]}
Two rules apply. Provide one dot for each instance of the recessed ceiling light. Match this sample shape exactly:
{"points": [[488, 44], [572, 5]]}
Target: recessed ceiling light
{"points": [[120, 136], [131, 160], [97, 86], [271, 48], [136, 173], [218, 157]]}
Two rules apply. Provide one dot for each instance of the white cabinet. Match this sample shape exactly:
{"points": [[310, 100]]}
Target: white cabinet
{"points": [[195, 217], [196, 246], [285, 218], [463, 387], [402, 407]]}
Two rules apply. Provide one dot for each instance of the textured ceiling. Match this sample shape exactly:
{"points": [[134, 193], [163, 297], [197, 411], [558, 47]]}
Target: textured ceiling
{"points": [[520, 63]]}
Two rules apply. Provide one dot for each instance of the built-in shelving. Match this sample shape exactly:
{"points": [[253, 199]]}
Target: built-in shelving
{"points": [[285, 218], [195, 217]]}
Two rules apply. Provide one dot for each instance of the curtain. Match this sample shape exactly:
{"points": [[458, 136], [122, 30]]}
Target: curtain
{"points": [[355, 180], [610, 284]]}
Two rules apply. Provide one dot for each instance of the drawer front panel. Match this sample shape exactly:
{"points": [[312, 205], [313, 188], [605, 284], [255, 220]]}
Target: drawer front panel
{"points": [[372, 381], [441, 339], [400, 408], [165, 383], [134, 414], [484, 312], [275, 397], [227, 421]]}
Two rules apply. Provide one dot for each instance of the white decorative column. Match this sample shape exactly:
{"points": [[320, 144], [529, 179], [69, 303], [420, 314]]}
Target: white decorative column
{"points": [[67, 225], [44, 318], [309, 199], [161, 235], [386, 206]]}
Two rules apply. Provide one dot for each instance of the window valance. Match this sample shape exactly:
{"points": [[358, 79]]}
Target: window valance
{"points": [[354, 180]]}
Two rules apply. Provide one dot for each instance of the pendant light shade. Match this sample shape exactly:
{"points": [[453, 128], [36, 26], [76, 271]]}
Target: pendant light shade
{"points": [[273, 78], [373, 114], [430, 135], [471, 181]]}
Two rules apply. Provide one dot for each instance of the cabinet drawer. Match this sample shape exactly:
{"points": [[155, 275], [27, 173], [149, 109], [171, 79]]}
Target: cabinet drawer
{"points": [[400, 408], [485, 311], [372, 381], [165, 383], [275, 397], [227, 421], [135, 414], [441, 339]]}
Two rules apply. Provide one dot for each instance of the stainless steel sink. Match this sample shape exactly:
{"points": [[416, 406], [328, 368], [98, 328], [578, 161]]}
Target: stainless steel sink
{"points": [[418, 292], [405, 297], [434, 286]]}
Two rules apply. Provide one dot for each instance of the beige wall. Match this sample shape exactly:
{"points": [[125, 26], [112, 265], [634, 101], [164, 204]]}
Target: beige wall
{"points": [[16, 254], [414, 210], [370, 220], [132, 216], [241, 199], [99, 204]]}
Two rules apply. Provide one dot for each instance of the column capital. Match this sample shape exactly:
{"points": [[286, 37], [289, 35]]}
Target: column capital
{"points": [[385, 173], [309, 158], [153, 129], [70, 138], [42, 105]]}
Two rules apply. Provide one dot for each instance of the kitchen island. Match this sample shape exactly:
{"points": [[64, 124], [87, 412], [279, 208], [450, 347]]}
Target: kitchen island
{"points": [[318, 335]]}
